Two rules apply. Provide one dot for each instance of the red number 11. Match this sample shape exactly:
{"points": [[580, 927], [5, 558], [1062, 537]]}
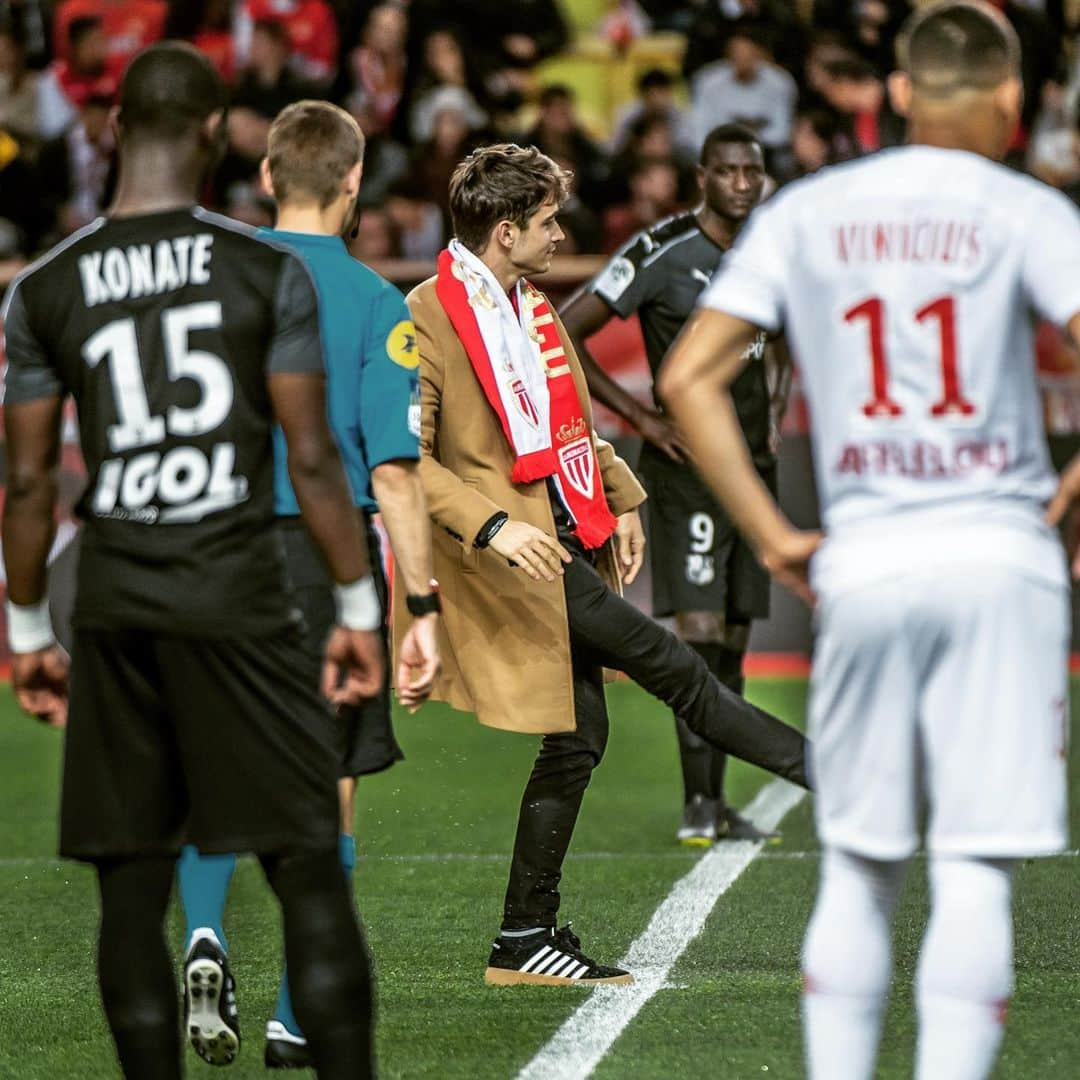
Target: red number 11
{"points": [[943, 309]]}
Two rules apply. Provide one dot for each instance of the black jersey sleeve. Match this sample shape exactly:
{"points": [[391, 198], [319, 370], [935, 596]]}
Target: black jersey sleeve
{"points": [[296, 347], [30, 375], [625, 283]]}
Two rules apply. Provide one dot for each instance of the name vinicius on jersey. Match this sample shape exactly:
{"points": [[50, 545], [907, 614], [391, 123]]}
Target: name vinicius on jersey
{"points": [[145, 269]]}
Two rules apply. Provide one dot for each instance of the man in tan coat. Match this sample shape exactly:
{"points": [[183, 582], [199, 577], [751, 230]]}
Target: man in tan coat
{"points": [[536, 522]]}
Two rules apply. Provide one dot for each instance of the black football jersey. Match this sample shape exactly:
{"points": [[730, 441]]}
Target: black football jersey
{"points": [[163, 328], [659, 274]]}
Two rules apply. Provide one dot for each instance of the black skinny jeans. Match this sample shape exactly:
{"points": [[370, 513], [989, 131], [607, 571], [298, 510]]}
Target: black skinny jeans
{"points": [[607, 631]]}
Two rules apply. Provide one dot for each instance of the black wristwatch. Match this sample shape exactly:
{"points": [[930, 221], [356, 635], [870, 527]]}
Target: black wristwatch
{"points": [[426, 603]]}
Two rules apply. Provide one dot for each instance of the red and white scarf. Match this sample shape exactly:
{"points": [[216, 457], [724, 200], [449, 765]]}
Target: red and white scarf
{"points": [[515, 350]]}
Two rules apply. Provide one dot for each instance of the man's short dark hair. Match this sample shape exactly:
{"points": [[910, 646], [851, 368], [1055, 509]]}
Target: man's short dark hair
{"points": [[958, 45], [724, 135], [168, 91], [655, 79], [503, 182], [80, 28], [849, 68], [555, 92]]}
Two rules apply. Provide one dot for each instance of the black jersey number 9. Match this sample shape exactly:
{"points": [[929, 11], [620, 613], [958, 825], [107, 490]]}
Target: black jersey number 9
{"points": [[117, 341]]}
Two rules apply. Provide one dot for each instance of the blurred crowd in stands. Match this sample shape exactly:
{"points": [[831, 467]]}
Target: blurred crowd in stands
{"points": [[428, 80]]}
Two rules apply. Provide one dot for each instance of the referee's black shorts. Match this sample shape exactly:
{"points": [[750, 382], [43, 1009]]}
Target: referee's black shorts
{"points": [[224, 743], [699, 562], [366, 735]]}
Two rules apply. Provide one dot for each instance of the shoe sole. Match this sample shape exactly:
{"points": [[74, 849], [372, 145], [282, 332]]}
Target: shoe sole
{"points": [[208, 1033], [507, 977], [695, 841]]}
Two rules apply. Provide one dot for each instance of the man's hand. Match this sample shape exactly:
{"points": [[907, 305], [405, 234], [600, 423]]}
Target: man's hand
{"points": [[418, 662], [788, 560], [352, 666], [539, 555], [629, 545], [40, 682], [662, 433]]}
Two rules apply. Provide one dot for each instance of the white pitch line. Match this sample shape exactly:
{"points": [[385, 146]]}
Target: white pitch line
{"points": [[575, 1050]]}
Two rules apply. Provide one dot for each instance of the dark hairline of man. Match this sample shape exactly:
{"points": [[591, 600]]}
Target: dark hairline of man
{"points": [[727, 135]]}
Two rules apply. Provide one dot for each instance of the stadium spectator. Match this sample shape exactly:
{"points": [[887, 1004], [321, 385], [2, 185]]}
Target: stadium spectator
{"points": [[447, 124], [443, 63], [584, 231], [75, 170], [1040, 55], [819, 137], [655, 97], [775, 21], [377, 66], [870, 26], [266, 86], [559, 133], [376, 236], [385, 159], [208, 25], [650, 138], [31, 21], [245, 202], [502, 35], [746, 88], [310, 29], [654, 194], [129, 26], [18, 88], [21, 222], [68, 83], [853, 89], [417, 220]]}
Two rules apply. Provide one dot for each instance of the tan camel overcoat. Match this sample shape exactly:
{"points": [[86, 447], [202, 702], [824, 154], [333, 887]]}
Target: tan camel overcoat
{"points": [[505, 641]]}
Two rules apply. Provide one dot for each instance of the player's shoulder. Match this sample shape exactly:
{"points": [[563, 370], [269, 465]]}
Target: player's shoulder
{"points": [[652, 244], [382, 293], [38, 276]]}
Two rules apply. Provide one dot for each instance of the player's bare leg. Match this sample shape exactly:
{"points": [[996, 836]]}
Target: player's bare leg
{"points": [[706, 815]]}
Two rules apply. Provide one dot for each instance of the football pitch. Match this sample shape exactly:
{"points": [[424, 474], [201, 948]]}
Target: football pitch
{"points": [[434, 835]]}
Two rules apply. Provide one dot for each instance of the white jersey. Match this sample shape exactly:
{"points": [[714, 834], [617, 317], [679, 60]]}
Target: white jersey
{"points": [[906, 283]]}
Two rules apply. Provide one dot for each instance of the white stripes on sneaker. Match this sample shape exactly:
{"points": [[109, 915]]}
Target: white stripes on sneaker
{"points": [[549, 961]]}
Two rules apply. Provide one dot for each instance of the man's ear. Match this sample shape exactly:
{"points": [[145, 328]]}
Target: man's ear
{"points": [[114, 122], [699, 173], [211, 128], [505, 233], [266, 180], [900, 92], [352, 180], [1009, 100]]}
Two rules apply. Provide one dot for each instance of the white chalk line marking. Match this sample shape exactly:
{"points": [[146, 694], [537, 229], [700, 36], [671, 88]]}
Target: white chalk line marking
{"points": [[575, 1050]]}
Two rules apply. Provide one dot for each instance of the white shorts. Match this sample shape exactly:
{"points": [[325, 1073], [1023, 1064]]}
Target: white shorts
{"points": [[944, 688]]}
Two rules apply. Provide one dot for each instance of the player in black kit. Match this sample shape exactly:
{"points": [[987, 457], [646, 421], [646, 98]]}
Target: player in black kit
{"points": [[194, 714], [702, 571]]}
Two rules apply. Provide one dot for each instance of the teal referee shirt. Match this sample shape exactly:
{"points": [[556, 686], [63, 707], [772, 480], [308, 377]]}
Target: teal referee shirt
{"points": [[369, 348]]}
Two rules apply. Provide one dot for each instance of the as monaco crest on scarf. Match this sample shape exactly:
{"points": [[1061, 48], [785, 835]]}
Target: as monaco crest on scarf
{"points": [[519, 358], [524, 402]]}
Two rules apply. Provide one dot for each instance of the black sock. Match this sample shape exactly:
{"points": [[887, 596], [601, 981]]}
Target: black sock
{"points": [[135, 971], [726, 665], [329, 972]]}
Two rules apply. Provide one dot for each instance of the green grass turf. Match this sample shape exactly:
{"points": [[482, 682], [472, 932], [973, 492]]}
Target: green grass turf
{"points": [[435, 834]]}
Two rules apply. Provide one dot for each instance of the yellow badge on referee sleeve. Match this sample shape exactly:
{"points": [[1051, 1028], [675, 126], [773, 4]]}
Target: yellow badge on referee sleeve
{"points": [[401, 345]]}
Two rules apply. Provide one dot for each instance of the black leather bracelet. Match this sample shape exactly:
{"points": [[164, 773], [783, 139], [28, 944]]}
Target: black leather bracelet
{"points": [[490, 528]]}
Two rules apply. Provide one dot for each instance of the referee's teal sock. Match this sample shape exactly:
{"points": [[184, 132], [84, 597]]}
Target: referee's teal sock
{"points": [[203, 881], [283, 1010]]}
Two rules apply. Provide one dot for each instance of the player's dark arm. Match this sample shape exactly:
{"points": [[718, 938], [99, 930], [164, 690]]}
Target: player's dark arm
{"points": [[32, 430], [1068, 492], [584, 314], [695, 386], [318, 477], [778, 372]]}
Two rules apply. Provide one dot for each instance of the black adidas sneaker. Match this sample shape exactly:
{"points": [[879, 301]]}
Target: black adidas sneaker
{"points": [[548, 958], [284, 1050], [210, 1016]]}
